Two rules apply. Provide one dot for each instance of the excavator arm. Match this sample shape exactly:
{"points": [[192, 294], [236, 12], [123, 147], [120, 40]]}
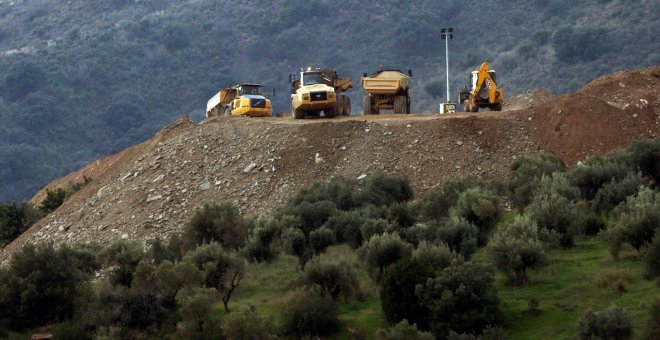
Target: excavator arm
{"points": [[495, 93]]}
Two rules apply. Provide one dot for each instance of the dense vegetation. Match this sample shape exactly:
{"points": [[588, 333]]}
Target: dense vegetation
{"points": [[80, 79], [429, 267]]}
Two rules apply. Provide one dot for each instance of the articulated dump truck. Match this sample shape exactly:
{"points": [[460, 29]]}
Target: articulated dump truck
{"points": [[483, 91], [317, 90], [240, 100], [386, 90]]}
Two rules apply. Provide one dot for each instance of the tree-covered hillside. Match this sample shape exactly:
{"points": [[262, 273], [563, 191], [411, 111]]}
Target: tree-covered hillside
{"points": [[79, 78]]}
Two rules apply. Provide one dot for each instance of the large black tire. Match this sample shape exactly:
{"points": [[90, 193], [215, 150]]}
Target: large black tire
{"points": [[297, 113], [339, 105], [400, 105], [346, 107], [366, 105], [330, 112], [495, 107]]}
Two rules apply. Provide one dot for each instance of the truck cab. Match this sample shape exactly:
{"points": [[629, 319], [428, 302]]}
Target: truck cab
{"points": [[311, 94], [240, 100]]}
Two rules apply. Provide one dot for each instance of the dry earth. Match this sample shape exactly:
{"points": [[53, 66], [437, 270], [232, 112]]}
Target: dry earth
{"points": [[151, 189]]}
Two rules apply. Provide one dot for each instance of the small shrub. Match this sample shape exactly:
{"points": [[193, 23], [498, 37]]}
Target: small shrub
{"points": [[652, 328], [420, 232], [401, 215], [557, 214], [459, 234], [591, 175], [556, 183], [334, 278], [339, 191], [381, 251], [592, 224], [308, 315], [480, 207], [217, 223], [636, 222], [652, 258], [171, 251], [611, 278], [489, 333], [295, 243], [375, 226], [397, 292], [124, 256], [346, 226], [381, 189], [259, 245], [245, 324], [54, 198], [614, 192], [320, 239], [516, 247], [461, 298], [526, 171], [200, 321], [533, 304], [436, 203], [403, 330], [15, 219], [611, 323], [437, 256]]}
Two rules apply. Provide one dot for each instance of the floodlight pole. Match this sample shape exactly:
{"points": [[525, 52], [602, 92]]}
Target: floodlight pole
{"points": [[447, 33]]}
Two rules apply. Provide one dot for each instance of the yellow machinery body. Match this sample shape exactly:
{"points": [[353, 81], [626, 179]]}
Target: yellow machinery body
{"points": [[386, 90], [483, 91], [240, 100], [319, 90]]}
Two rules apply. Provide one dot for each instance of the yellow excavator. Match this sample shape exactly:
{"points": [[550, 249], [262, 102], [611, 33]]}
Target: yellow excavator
{"points": [[482, 91], [240, 100], [317, 90]]}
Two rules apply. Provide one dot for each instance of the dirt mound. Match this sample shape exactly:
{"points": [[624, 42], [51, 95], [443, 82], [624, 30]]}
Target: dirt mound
{"points": [[151, 189], [526, 100]]}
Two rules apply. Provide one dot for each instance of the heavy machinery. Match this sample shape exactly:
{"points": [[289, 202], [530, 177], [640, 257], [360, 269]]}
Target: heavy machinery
{"points": [[483, 91], [317, 90], [386, 90], [240, 100]]}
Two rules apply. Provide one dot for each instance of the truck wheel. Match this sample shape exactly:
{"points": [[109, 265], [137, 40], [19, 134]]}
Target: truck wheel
{"points": [[330, 112], [297, 113], [474, 108], [466, 106], [366, 105], [347, 106], [495, 107], [339, 105], [400, 104]]}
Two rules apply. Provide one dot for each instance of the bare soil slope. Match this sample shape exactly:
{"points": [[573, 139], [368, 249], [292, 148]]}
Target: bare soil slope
{"points": [[151, 189]]}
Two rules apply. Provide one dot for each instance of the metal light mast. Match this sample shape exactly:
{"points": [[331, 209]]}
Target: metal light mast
{"points": [[446, 34]]}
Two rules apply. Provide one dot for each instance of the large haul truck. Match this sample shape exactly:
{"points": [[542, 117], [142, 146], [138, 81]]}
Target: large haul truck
{"points": [[240, 100], [386, 90], [319, 90]]}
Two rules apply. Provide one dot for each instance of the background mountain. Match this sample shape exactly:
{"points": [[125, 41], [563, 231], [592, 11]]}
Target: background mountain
{"points": [[79, 78]]}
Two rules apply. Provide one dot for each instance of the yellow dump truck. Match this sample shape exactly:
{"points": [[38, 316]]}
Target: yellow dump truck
{"points": [[317, 90], [240, 100], [482, 91], [386, 90]]}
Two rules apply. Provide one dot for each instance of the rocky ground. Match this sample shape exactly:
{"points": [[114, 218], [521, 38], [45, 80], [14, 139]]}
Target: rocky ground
{"points": [[151, 189]]}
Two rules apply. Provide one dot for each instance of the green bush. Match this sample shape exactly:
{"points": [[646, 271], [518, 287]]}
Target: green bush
{"points": [[515, 248], [611, 323], [199, 319], [397, 291], [645, 157], [346, 226], [459, 234], [556, 183], [401, 215], [216, 223], [526, 171], [308, 315], [403, 331], [124, 256], [381, 251], [652, 328], [380, 189], [461, 298], [489, 333], [246, 325], [320, 239], [259, 246], [555, 213], [172, 251], [339, 190], [42, 285], [334, 278], [652, 257], [375, 226], [616, 191], [15, 219], [480, 207], [636, 222], [436, 203], [221, 271], [591, 175], [311, 216], [436, 255], [54, 198], [295, 243]]}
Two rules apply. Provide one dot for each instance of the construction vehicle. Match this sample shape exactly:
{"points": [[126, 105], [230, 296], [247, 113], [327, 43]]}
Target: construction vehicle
{"points": [[317, 90], [240, 100], [483, 91], [386, 90]]}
